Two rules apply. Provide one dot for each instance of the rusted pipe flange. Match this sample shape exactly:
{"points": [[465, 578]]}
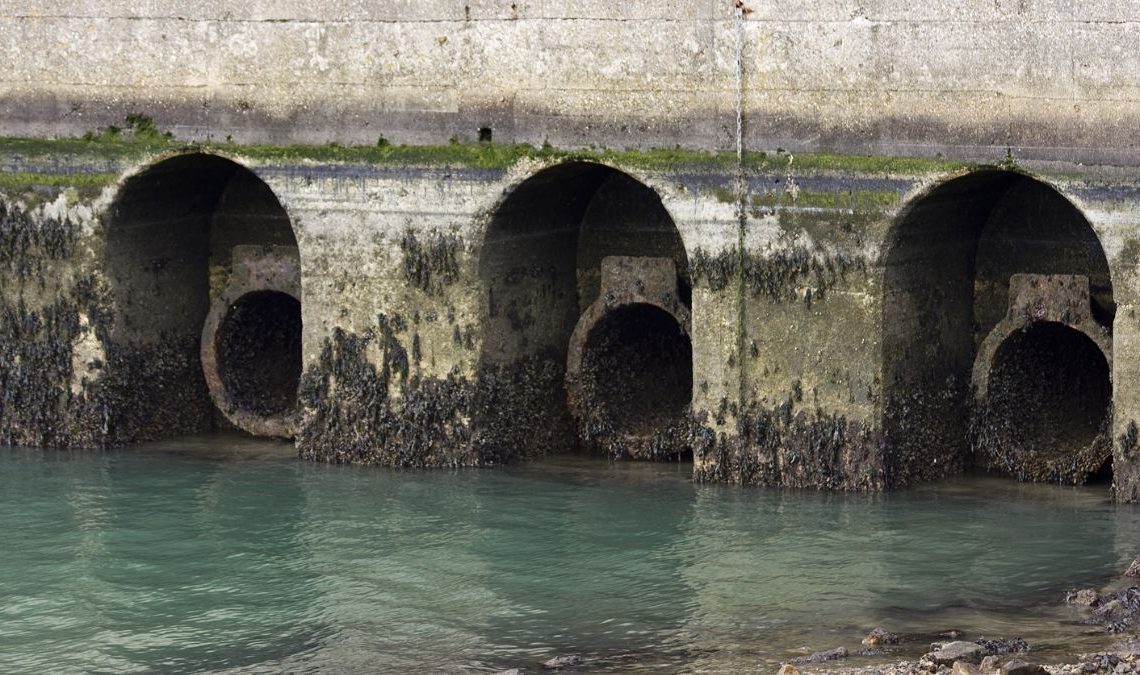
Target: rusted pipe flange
{"points": [[626, 282], [256, 270], [1058, 298]]}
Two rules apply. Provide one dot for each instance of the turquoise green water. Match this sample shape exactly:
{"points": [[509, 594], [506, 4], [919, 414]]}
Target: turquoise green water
{"points": [[228, 555]]}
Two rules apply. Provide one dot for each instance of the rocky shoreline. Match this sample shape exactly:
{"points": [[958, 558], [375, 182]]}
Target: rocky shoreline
{"points": [[981, 657], [1114, 609]]}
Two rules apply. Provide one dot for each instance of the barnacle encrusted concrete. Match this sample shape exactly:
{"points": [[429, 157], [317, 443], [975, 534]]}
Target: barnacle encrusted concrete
{"points": [[842, 192]]}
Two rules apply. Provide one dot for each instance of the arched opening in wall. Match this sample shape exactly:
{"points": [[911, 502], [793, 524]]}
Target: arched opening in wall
{"points": [[1047, 411], [949, 263], [251, 355], [186, 239], [542, 267]]}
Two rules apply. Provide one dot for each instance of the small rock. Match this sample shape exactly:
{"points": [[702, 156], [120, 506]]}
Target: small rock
{"points": [[880, 636], [1100, 662], [957, 651], [1110, 608], [1134, 570], [1003, 646], [1019, 667], [1086, 597], [965, 668], [991, 664], [1119, 612], [563, 662], [820, 657], [788, 669]]}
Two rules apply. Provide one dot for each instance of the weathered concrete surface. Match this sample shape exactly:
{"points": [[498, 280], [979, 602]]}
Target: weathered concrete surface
{"points": [[1050, 79], [438, 302], [806, 335]]}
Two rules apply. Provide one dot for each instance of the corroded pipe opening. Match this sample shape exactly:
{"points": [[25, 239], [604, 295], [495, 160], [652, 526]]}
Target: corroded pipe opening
{"points": [[1048, 408], [251, 357], [259, 352], [636, 372]]}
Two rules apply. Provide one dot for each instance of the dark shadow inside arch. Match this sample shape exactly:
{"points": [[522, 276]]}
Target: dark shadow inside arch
{"points": [[171, 232], [947, 268], [1047, 411], [540, 268], [638, 364], [259, 352]]}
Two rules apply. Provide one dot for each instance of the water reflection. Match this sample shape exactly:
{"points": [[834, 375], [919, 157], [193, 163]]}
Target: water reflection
{"points": [[205, 557], [118, 563], [585, 558]]}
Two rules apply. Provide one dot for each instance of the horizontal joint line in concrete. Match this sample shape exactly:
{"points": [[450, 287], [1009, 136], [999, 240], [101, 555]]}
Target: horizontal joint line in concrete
{"points": [[344, 22]]}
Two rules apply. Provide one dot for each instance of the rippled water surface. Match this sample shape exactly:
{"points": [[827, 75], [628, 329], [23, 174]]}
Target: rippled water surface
{"points": [[227, 554]]}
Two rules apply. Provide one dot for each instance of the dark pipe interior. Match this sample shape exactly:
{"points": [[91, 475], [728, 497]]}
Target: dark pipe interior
{"points": [[1103, 475], [637, 369], [259, 352], [1049, 396]]}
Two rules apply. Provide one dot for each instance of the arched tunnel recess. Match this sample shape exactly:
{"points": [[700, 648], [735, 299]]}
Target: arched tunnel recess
{"points": [[1047, 412], [948, 263], [540, 269], [173, 236], [635, 380]]}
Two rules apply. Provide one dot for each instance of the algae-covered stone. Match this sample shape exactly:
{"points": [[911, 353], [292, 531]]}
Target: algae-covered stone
{"points": [[821, 657], [880, 636], [1003, 646], [1086, 597], [957, 651], [566, 661]]}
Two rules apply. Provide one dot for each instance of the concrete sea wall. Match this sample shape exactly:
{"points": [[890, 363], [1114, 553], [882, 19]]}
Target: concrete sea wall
{"points": [[389, 236], [880, 76]]}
